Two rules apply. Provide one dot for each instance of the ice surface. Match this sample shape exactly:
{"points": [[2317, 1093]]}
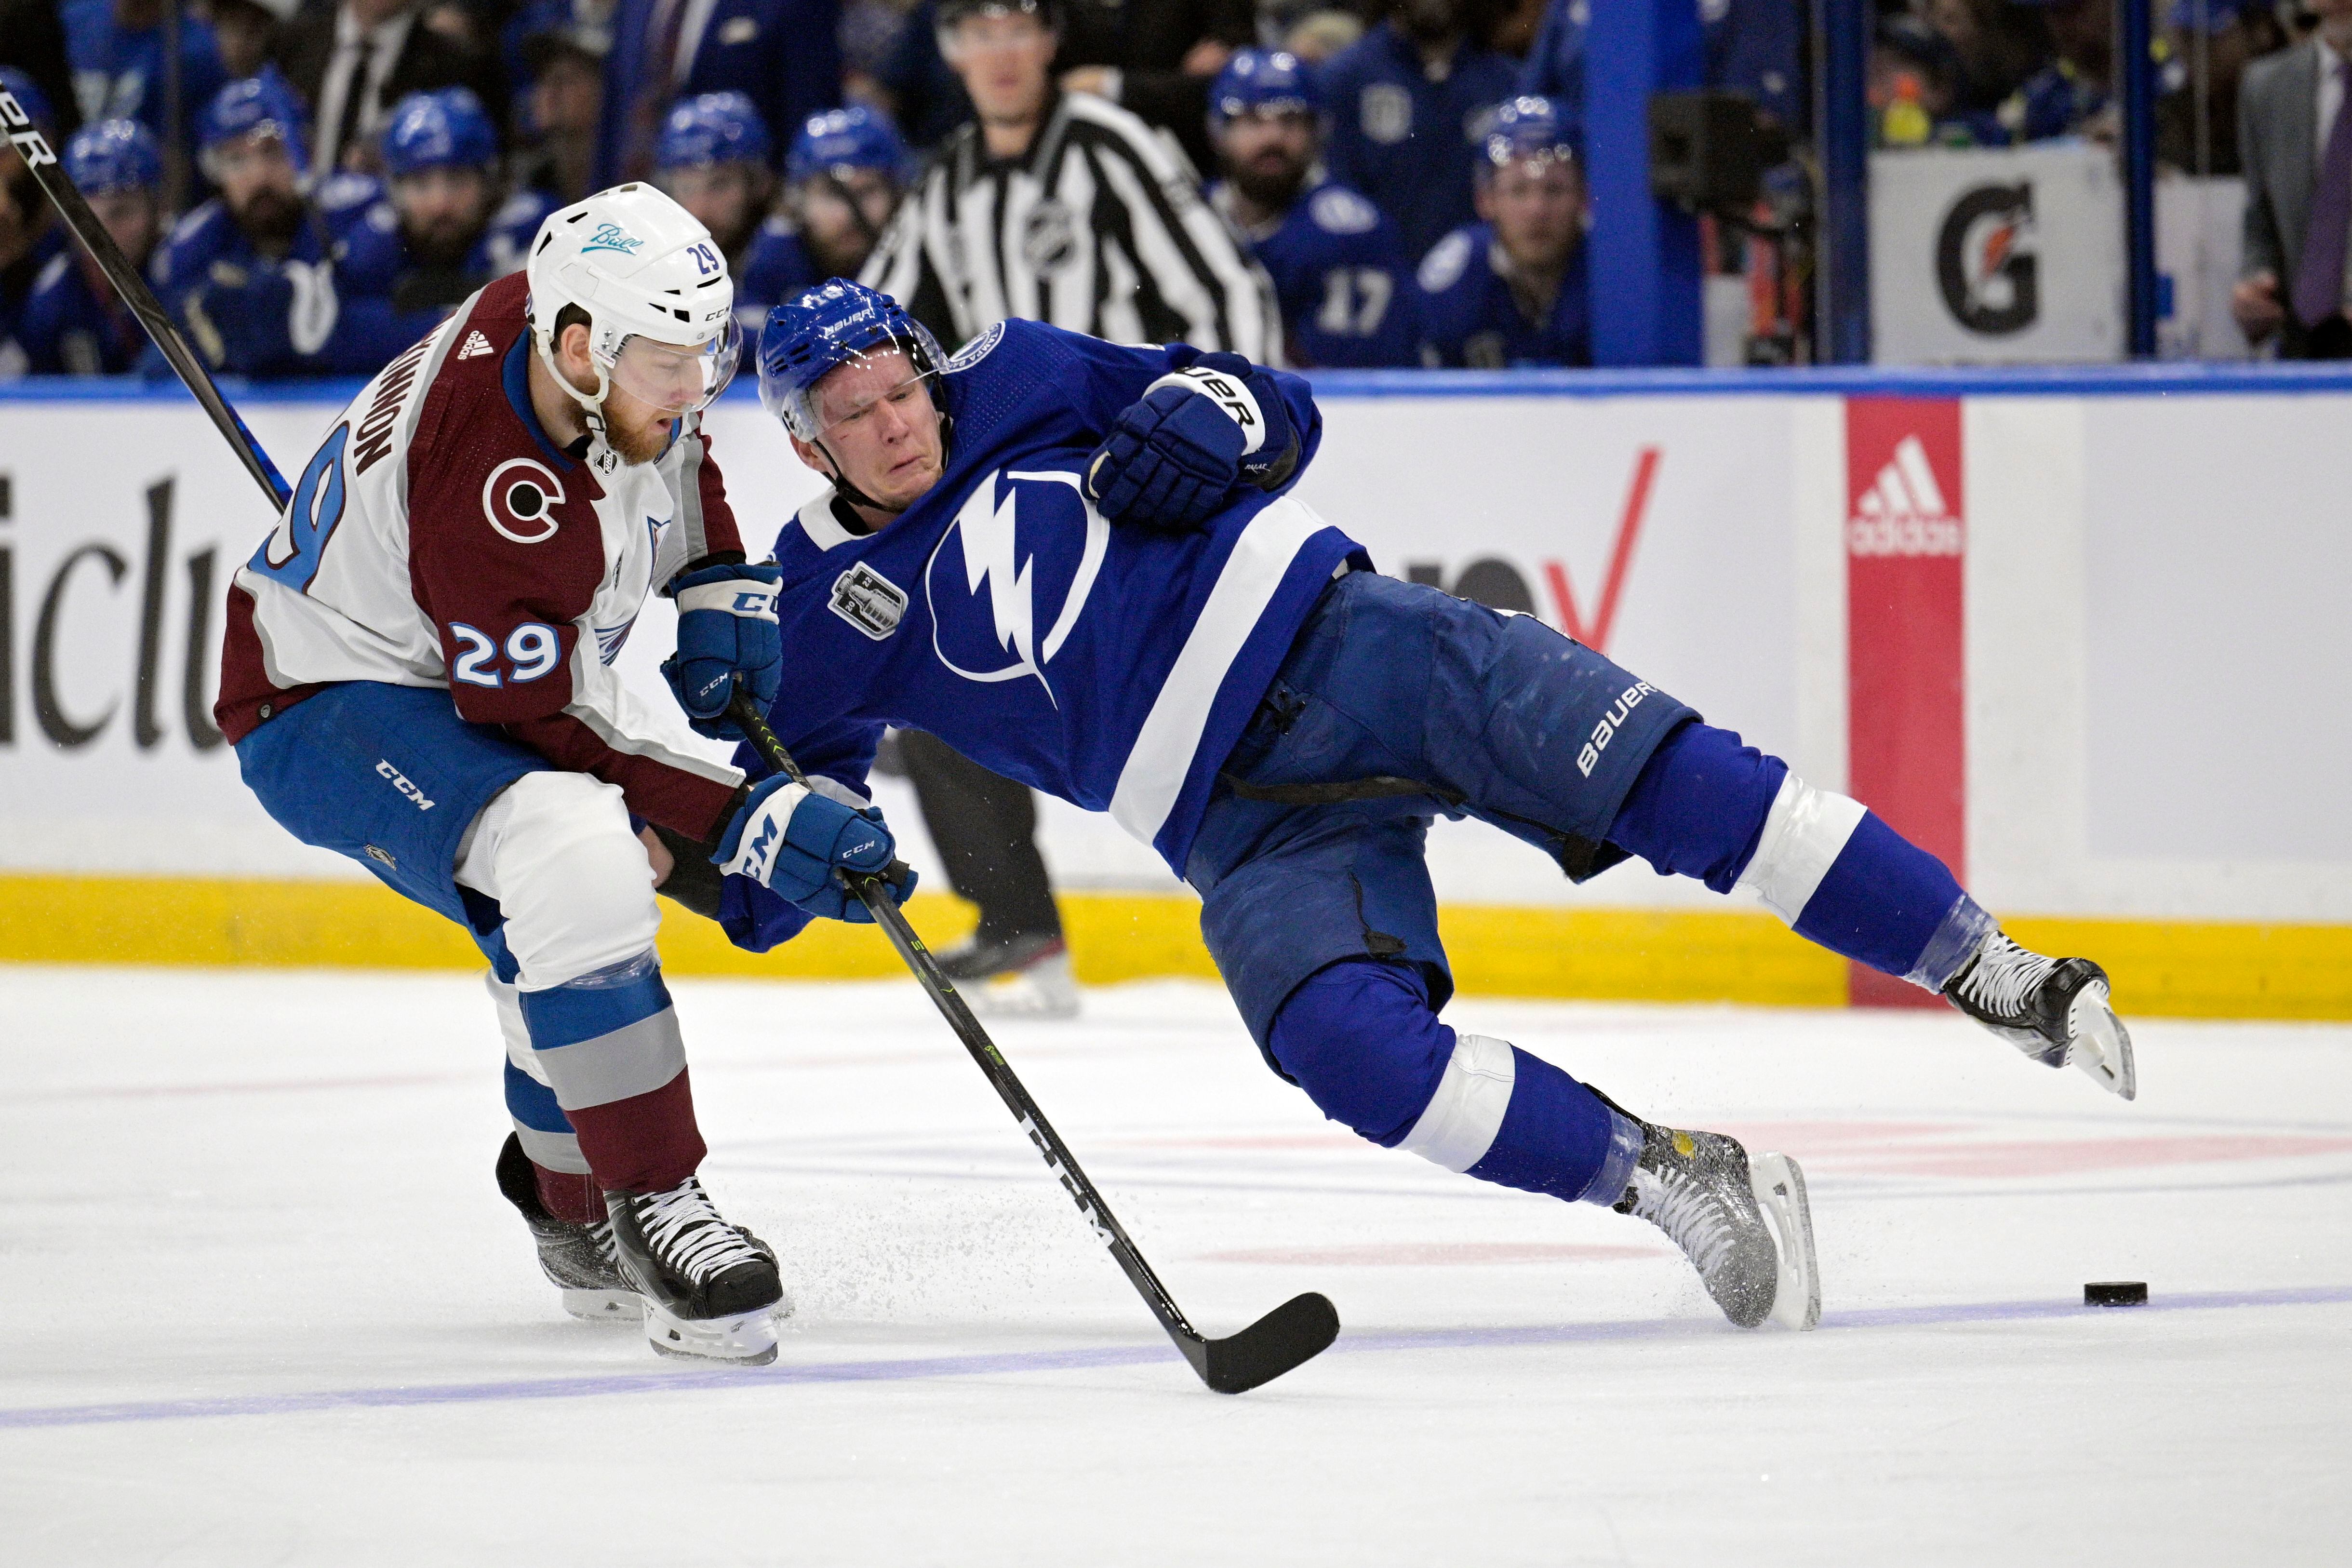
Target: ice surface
{"points": [[263, 1303]]}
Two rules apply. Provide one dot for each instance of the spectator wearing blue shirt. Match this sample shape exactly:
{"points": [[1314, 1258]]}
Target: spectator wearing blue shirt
{"points": [[844, 177], [1511, 290], [116, 47], [444, 227], [1753, 47], [1342, 278], [248, 273], [782, 54], [1409, 106], [75, 323]]}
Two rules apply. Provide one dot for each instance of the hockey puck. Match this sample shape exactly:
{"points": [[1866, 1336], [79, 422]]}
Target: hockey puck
{"points": [[2115, 1294]]}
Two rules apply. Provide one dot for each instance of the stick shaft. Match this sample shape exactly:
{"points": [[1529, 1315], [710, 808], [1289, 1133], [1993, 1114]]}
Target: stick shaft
{"points": [[1008, 1085], [43, 162]]}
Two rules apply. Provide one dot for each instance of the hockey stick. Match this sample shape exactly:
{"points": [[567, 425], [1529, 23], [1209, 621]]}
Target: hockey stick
{"points": [[133, 292], [1299, 1329]]}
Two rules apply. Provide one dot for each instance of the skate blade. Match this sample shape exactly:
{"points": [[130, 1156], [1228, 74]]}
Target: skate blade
{"points": [[1778, 1183], [747, 1339], [624, 1307], [2101, 1045], [1023, 995]]}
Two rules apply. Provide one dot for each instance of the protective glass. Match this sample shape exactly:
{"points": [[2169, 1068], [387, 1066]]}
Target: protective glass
{"points": [[676, 379], [849, 395]]}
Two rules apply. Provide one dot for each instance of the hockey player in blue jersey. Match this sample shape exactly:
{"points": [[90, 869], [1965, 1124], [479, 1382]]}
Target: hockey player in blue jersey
{"points": [[843, 175], [76, 323], [712, 159], [250, 274], [1341, 274], [1082, 565], [1511, 290], [446, 227]]}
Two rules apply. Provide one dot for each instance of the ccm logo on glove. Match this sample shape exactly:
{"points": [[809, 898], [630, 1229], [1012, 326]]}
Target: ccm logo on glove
{"points": [[791, 841], [727, 632]]}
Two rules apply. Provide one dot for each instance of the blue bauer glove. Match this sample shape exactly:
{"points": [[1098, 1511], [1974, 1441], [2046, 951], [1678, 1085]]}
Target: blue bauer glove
{"points": [[791, 841], [1174, 457], [725, 627]]}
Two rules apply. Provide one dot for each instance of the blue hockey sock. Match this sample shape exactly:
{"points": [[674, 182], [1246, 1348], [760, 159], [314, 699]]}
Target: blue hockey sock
{"points": [[1359, 1038], [1707, 807]]}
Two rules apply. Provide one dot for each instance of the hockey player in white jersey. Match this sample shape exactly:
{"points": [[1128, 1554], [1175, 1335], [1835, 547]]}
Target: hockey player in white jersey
{"points": [[1081, 565], [416, 674]]}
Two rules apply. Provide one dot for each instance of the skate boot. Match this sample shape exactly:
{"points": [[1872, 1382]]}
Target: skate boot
{"points": [[2055, 1010], [1712, 1202], [1021, 978], [711, 1289], [578, 1260]]}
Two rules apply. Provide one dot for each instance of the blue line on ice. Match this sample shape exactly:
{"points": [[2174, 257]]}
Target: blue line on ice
{"points": [[663, 1381]]}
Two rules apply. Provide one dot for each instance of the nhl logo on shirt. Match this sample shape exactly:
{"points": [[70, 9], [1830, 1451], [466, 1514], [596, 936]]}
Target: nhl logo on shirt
{"points": [[869, 601], [1048, 239], [519, 498], [1385, 112]]}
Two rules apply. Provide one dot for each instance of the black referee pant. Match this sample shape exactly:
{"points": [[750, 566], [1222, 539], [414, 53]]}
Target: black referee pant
{"points": [[984, 826]]}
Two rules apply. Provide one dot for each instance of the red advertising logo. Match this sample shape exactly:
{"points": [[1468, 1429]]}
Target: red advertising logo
{"points": [[1905, 680]]}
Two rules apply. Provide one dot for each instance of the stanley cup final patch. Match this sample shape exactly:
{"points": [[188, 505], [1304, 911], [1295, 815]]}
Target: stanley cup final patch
{"points": [[869, 601]]}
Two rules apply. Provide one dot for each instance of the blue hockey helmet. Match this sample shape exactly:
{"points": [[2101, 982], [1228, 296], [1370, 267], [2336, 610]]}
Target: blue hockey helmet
{"points": [[113, 156], [1263, 81], [1525, 130], [263, 104], [447, 129], [29, 98], [852, 138], [835, 323], [715, 128]]}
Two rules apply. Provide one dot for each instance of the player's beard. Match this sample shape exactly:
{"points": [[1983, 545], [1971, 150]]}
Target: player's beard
{"points": [[1272, 180], [845, 260], [441, 244], [270, 219], [636, 445]]}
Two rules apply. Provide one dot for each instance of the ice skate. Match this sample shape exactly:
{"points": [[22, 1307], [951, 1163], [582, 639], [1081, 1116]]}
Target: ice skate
{"points": [[2055, 1010], [711, 1289], [578, 1260], [1025, 977], [1744, 1224]]}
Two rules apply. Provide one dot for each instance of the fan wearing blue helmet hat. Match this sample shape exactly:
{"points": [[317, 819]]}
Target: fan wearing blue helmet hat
{"points": [[1511, 289], [447, 225], [75, 323], [1083, 566], [842, 179], [1340, 271], [712, 159]]}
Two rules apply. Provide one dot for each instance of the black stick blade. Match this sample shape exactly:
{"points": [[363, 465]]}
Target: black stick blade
{"points": [[1299, 1330]]}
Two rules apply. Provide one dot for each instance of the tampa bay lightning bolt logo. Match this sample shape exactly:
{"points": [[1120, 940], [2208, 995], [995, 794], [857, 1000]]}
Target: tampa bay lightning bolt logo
{"points": [[1024, 551]]}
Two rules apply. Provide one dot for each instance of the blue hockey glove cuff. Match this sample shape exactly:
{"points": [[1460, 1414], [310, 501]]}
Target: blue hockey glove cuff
{"points": [[726, 628], [791, 841]]}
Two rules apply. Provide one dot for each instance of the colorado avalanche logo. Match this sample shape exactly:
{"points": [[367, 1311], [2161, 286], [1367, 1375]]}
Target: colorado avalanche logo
{"points": [[1002, 563], [519, 498]]}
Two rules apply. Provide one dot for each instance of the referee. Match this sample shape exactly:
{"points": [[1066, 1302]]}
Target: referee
{"points": [[1063, 209]]}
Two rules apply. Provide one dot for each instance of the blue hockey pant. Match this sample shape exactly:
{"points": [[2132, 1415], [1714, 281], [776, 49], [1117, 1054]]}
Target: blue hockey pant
{"points": [[1399, 703]]}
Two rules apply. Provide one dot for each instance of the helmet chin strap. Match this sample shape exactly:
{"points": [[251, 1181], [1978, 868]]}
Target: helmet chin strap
{"points": [[591, 408]]}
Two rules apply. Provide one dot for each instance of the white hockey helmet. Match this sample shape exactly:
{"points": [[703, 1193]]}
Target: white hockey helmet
{"points": [[660, 305]]}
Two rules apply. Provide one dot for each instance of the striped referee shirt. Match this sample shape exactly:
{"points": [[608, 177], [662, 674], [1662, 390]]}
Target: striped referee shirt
{"points": [[1099, 228]]}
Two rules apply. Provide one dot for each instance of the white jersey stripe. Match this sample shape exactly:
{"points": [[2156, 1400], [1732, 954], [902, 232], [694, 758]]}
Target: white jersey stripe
{"points": [[1160, 762]]}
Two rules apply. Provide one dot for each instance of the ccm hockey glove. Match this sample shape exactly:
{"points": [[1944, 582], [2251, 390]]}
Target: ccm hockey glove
{"points": [[1174, 456], [725, 627], [791, 841]]}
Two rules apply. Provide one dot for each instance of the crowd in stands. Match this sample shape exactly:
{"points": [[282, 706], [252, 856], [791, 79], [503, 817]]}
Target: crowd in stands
{"points": [[313, 183]]}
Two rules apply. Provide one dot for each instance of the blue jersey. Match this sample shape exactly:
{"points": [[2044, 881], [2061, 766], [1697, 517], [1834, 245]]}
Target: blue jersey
{"points": [[372, 263], [18, 283], [120, 75], [1404, 141], [1113, 668], [1340, 277], [70, 328], [775, 268], [1470, 315]]}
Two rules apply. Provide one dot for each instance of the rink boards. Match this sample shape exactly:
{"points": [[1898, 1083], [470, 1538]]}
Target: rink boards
{"points": [[2080, 633]]}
